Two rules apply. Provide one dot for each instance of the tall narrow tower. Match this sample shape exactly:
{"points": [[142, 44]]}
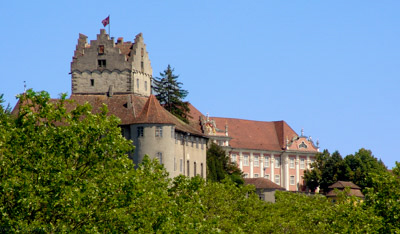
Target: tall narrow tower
{"points": [[103, 66]]}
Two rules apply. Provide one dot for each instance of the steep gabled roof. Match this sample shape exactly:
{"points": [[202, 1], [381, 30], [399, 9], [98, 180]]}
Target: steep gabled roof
{"points": [[262, 183]]}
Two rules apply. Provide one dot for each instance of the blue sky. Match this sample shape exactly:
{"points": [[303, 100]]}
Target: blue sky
{"points": [[330, 67]]}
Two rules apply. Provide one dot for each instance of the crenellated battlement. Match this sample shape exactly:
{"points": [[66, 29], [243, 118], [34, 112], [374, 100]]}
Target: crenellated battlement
{"points": [[97, 67]]}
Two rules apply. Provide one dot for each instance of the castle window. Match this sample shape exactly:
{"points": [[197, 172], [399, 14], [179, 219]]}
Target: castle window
{"points": [[194, 168], [100, 50], [188, 168], [142, 65], [201, 170], [159, 157], [174, 164], [101, 63], [159, 131], [197, 143], [91, 82], [201, 142], [142, 51], [145, 85], [140, 132]]}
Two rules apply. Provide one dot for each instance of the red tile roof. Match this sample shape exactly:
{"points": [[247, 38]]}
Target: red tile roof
{"points": [[259, 135], [262, 183], [132, 109]]}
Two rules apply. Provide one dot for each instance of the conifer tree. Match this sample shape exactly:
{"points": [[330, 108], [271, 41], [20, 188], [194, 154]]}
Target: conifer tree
{"points": [[170, 94]]}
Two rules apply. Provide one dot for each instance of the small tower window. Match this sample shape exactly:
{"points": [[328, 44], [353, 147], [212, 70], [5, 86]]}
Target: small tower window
{"points": [[101, 63], [159, 131], [100, 50], [142, 51], [91, 82], [159, 157]]}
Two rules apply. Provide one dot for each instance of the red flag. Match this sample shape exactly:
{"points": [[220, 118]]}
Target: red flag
{"points": [[106, 21]]}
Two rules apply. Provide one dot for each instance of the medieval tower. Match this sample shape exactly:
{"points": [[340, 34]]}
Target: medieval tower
{"points": [[105, 67]]}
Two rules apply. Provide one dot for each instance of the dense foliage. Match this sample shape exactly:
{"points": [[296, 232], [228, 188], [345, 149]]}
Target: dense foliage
{"points": [[68, 171], [170, 94], [330, 168], [220, 167]]}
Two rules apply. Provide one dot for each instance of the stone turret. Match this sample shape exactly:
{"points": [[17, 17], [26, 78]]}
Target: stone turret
{"points": [[102, 65]]}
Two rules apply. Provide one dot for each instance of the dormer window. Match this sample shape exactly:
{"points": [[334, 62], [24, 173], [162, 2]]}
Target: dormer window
{"points": [[303, 145], [100, 50], [101, 63]]}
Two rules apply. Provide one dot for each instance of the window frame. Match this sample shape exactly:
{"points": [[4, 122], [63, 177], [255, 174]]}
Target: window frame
{"points": [[159, 131]]}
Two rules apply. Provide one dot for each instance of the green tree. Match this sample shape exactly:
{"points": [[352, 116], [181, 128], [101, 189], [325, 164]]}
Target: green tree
{"points": [[360, 165], [170, 94], [219, 166], [383, 197], [62, 170], [327, 169]]}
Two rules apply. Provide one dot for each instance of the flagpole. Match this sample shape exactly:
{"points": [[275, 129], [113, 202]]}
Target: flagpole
{"points": [[109, 22]]}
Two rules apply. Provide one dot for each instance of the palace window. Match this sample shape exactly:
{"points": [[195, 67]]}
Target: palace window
{"points": [[256, 162], [233, 158], [266, 176], [277, 162], [245, 160], [277, 179], [101, 63], [246, 175], [302, 163], [291, 162], [291, 180], [159, 131], [256, 175], [140, 132], [266, 161]]}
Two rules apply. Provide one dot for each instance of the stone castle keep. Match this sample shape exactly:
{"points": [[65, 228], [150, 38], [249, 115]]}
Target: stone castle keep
{"points": [[119, 74], [104, 66]]}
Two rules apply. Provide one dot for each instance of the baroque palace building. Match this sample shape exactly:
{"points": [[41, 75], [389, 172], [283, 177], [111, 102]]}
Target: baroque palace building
{"points": [[119, 74]]}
